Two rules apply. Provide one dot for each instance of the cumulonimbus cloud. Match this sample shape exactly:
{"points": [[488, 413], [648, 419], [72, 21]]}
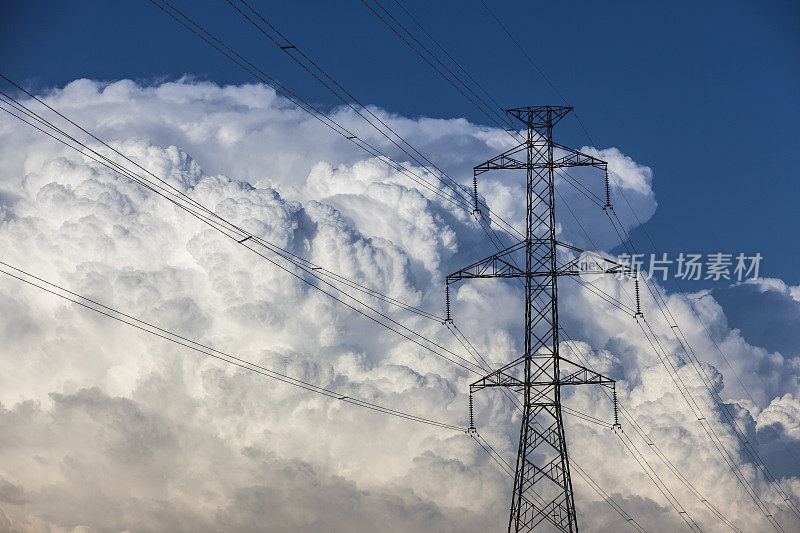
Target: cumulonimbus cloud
{"points": [[103, 427]]}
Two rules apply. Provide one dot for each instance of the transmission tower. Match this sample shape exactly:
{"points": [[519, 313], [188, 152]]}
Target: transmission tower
{"points": [[542, 483]]}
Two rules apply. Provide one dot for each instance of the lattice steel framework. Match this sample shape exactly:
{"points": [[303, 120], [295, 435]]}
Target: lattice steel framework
{"points": [[542, 483]]}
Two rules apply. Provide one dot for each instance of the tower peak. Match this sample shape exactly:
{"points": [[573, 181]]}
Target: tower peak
{"points": [[539, 117]]}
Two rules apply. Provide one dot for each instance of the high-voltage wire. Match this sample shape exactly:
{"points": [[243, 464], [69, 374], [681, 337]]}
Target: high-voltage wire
{"points": [[730, 424], [245, 242], [603, 295], [509, 470], [664, 357], [458, 190], [327, 81], [119, 316], [686, 394], [430, 57], [148, 327], [176, 192], [650, 443], [322, 76], [317, 72], [455, 62], [653, 446], [499, 119], [345, 96], [260, 75], [659, 483], [533, 63], [682, 293], [638, 457], [625, 516], [583, 190], [589, 240], [401, 31]]}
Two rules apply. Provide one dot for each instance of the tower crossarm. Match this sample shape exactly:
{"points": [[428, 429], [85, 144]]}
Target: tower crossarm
{"points": [[515, 158], [575, 374], [540, 117], [504, 265], [512, 159], [502, 377], [574, 158], [570, 373], [499, 265], [540, 367]]}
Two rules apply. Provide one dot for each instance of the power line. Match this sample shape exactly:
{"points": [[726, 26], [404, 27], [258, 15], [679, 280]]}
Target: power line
{"points": [[321, 75], [260, 75], [731, 425], [279, 40], [142, 325], [682, 293], [659, 483], [245, 242], [401, 31], [533, 63], [455, 62], [609, 500], [633, 423], [603, 295], [689, 398], [119, 316], [500, 119], [652, 445], [345, 96], [508, 469], [430, 58], [571, 180]]}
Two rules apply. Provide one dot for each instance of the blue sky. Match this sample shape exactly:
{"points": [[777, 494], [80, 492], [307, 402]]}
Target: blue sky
{"points": [[704, 94]]}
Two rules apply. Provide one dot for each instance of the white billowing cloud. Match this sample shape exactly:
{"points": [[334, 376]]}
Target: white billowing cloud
{"points": [[103, 427], [777, 285]]}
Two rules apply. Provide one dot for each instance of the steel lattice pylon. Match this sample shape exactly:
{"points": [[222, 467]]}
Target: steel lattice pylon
{"points": [[542, 483]]}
